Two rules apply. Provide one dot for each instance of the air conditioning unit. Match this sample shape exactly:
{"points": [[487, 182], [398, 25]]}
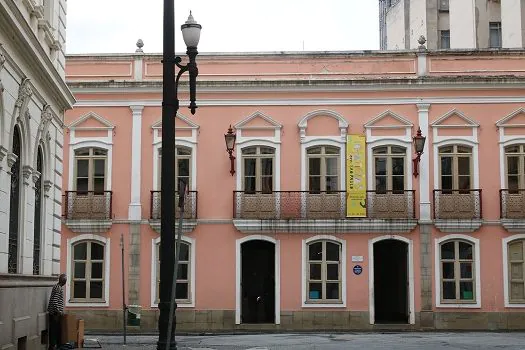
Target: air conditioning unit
{"points": [[443, 5]]}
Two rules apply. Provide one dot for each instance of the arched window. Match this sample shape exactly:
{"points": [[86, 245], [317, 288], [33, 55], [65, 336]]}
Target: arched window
{"points": [[183, 168], [389, 168], [515, 167], [90, 170], [324, 273], [88, 272], [323, 168], [14, 204], [456, 167], [458, 276], [258, 169], [183, 291], [37, 228], [516, 272]]}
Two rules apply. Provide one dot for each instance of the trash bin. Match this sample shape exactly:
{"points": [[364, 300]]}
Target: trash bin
{"points": [[134, 315]]}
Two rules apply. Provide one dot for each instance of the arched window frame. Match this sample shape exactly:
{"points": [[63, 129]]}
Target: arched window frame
{"points": [[304, 271], [107, 268], [39, 215], [90, 144], [17, 159], [323, 171], [506, 273], [157, 149], [389, 142], [154, 274], [477, 273], [455, 156]]}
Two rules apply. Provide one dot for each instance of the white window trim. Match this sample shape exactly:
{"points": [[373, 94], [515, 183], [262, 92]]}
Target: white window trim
{"points": [[313, 141], [505, 246], [504, 142], [304, 275], [107, 267], [93, 142], [191, 242], [238, 274], [389, 141], [456, 140], [437, 271], [410, 262]]}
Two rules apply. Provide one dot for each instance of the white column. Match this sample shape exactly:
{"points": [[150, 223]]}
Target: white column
{"points": [[512, 23], [462, 24], [134, 211], [424, 165]]}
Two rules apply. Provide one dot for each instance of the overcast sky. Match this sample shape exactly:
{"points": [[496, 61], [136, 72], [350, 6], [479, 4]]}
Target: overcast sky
{"points": [[110, 26]]}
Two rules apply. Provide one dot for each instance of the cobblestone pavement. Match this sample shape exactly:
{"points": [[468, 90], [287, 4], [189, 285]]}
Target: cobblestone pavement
{"points": [[326, 341]]}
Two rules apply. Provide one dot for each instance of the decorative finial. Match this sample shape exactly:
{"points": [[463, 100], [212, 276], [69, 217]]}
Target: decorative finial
{"points": [[140, 44], [191, 20], [421, 41]]}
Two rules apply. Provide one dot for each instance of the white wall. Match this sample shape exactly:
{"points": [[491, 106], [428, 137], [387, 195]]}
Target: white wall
{"points": [[395, 24], [512, 23], [462, 24], [418, 22]]}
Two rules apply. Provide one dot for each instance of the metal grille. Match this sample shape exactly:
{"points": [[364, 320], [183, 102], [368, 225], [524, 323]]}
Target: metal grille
{"points": [[38, 216], [190, 205], [14, 207], [458, 204], [86, 205], [512, 205]]}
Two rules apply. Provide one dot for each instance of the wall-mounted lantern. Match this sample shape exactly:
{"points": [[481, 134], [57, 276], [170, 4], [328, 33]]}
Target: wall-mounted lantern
{"points": [[419, 145], [230, 137]]}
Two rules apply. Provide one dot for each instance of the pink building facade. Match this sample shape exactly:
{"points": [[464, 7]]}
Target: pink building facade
{"points": [[272, 247]]}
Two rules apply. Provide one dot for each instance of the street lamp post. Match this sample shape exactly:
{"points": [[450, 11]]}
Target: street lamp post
{"points": [[170, 106]]}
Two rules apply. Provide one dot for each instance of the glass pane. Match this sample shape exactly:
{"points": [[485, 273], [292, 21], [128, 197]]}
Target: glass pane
{"points": [[315, 271], [80, 270], [332, 291], [513, 182], [449, 290], [463, 165], [267, 184], [249, 166], [98, 185], [314, 150], [97, 251], [96, 270], [331, 166], [315, 251], [332, 272], [82, 184], [512, 165], [267, 166], [446, 166], [95, 290], [398, 183], [447, 149], [516, 251], [249, 150], [182, 273], [380, 183], [447, 250], [267, 150], [448, 270], [249, 184], [380, 166], [79, 289], [465, 251], [314, 166], [314, 183], [516, 271], [82, 152], [315, 291], [466, 270], [183, 167], [466, 290], [398, 166], [80, 251], [82, 167], [512, 149], [398, 150], [332, 251], [99, 152], [464, 149], [332, 183], [331, 150], [182, 291], [446, 182], [182, 151], [517, 292], [184, 252], [100, 167], [381, 150]]}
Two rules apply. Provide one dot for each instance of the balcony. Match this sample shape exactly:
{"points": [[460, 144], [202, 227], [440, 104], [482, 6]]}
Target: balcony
{"points": [[304, 211], [458, 210], [88, 211], [512, 209], [189, 215]]}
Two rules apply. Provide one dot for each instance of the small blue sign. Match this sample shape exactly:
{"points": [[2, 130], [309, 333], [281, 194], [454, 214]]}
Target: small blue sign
{"points": [[358, 269]]}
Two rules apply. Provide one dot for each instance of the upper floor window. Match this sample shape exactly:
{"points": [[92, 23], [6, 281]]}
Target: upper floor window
{"points": [[516, 272], [495, 35], [455, 167], [324, 272], [37, 228], [323, 168], [183, 291], [389, 168], [88, 266], [14, 205], [515, 167], [90, 169], [258, 169], [183, 168], [444, 39], [457, 272]]}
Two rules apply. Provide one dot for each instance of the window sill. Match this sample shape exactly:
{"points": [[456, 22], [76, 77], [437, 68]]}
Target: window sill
{"points": [[476, 305], [87, 304], [314, 305], [515, 305], [179, 305]]}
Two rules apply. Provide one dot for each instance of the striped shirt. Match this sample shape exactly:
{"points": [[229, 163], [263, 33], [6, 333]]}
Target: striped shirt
{"points": [[56, 301]]}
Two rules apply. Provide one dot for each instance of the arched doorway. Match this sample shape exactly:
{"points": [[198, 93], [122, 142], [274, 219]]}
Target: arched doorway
{"points": [[257, 281]]}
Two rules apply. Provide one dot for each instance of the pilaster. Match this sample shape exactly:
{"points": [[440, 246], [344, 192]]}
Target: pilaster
{"points": [[135, 208]]}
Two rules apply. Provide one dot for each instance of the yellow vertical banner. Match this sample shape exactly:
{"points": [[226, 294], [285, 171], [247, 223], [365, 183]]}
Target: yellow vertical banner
{"points": [[355, 176]]}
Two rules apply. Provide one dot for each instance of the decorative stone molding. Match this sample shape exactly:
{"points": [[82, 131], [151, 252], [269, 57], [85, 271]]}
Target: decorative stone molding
{"points": [[24, 92], [47, 187], [187, 225], [3, 152], [36, 176], [11, 159], [458, 225], [27, 171], [89, 226], [513, 225], [326, 226]]}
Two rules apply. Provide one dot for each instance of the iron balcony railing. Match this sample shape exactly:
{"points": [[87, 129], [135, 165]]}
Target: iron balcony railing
{"points": [[190, 205], [88, 205], [512, 203], [457, 204], [320, 205]]}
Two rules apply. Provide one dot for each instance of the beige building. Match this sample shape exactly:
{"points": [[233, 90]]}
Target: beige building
{"points": [[33, 98], [455, 24]]}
